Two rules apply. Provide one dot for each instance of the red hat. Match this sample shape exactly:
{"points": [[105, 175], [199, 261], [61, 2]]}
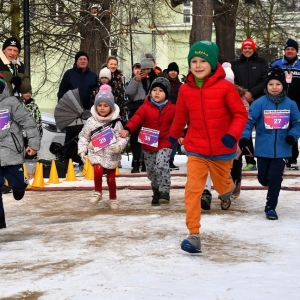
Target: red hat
{"points": [[250, 43]]}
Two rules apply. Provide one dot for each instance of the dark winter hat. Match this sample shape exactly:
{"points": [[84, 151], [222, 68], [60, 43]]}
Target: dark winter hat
{"points": [[2, 82], [250, 43], [13, 42], [206, 50], [291, 43], [105, 95], [81, 53], [146, 63], [163, 83], [173, 67], [277, 73]]}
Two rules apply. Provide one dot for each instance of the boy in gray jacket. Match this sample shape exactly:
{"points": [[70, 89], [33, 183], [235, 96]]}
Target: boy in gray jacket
{"points": [[14, 117]]}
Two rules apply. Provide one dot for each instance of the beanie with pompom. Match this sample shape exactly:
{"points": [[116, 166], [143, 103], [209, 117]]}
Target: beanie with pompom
{"points": [[105, 95], [228, 71]]}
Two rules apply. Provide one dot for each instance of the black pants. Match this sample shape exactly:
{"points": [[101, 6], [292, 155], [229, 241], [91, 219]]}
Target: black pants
{"points": [[249, 159], [295, 154], [72, 149], [270, 172]]}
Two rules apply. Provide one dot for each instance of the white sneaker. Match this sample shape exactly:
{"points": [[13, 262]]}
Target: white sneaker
{"points": [[97, 196], [114, 204]]}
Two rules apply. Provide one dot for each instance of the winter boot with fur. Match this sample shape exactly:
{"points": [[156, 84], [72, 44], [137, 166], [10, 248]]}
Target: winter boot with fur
{"points": [[225, 200], [237, 191], [97, 196]]}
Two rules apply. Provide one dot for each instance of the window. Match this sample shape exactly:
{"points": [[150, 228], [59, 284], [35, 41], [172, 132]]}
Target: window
{"points": [[187, 3], [186, 16]]}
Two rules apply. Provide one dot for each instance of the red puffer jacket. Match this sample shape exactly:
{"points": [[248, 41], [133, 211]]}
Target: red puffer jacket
{"points": [[149, 115], [211, 112]]}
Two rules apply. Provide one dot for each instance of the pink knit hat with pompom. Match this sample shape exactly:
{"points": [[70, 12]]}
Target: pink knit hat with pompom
{"points": [[105, 95]]}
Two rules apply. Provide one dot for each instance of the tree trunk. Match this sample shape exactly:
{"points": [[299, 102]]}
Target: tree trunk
{"points": [[202, 21], [95, 31], [225, 22]]}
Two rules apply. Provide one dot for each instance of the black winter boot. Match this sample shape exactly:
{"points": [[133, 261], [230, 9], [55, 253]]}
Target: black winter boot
{"points": [[18, 195], [206, 200], [164, 198], [143, 169], [155, 197], [2, 222], [135, 166]]}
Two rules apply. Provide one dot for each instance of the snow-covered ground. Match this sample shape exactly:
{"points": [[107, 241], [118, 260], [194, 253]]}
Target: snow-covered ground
{"points": [[58, 246]]}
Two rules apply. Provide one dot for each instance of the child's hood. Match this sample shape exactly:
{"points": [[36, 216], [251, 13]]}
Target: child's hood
{"points": [[5, 93]]}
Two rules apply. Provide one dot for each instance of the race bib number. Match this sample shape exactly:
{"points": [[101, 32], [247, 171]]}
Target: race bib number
{"points": [[149, 137], [4, 119], [103, 138], [276, 119]]}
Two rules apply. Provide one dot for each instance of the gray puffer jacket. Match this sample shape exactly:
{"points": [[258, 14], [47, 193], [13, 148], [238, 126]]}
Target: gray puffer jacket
{"points": [[11, 138]]}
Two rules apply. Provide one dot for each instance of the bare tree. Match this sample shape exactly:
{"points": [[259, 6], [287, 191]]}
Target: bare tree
{"points": [[225, 26]]}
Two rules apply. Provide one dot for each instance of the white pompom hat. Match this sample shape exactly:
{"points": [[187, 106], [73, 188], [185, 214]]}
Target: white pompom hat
{"points": [[229, 73], [105, 72]]}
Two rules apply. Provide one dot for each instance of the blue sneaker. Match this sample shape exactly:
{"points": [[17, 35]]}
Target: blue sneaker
{"points": [[271, 214], [191, 244]]}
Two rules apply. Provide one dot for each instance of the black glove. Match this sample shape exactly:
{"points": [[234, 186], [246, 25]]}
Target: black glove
{"points": [[289, 139], [243, 143], [16, 80], [228, 140]]}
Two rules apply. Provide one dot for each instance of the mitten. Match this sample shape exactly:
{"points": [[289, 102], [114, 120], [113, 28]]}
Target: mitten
{"points": [[228, 140], [243, 143], [289, 139], [16, 80], [114, 148], [83, 157], [172, 140]]}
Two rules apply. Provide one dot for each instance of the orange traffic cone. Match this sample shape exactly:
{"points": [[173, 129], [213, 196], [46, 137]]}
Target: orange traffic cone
{"points": [[38, 180], [53, 177], [89, 172], [117, 171], [26, 174], [71, 175]]}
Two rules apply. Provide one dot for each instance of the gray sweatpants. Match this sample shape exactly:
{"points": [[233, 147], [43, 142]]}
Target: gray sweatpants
{"points": [[158, 169]]}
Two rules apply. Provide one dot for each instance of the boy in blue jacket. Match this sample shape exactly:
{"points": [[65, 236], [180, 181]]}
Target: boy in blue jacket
{"points": [[277, 121]]}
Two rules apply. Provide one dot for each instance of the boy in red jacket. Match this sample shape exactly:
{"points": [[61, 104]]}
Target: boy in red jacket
{"points": [[155, 115], [216, 118]]}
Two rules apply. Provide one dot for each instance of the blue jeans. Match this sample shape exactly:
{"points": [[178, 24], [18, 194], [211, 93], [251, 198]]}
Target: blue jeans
{"points": [[16, 179], [173, 152]]}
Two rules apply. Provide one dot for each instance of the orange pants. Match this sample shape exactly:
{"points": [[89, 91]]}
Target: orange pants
{"points": [[197, 171]]}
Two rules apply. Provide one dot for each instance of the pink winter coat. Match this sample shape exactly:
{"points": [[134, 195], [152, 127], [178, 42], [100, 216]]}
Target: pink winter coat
{"points": [[102, 157]]}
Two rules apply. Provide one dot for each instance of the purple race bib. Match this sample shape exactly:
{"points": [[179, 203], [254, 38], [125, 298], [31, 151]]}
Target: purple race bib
{"points": [[4, 119], [277, 119], [103, 138], [148, 136]]}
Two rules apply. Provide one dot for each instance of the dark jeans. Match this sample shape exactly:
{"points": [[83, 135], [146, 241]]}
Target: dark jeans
{"points": [[172, 157], [16, 179], [270, 172], [136, 147], [72, 149]]}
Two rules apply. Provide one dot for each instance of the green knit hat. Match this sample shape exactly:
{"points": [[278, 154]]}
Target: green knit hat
{"points": [[206, 50]]}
